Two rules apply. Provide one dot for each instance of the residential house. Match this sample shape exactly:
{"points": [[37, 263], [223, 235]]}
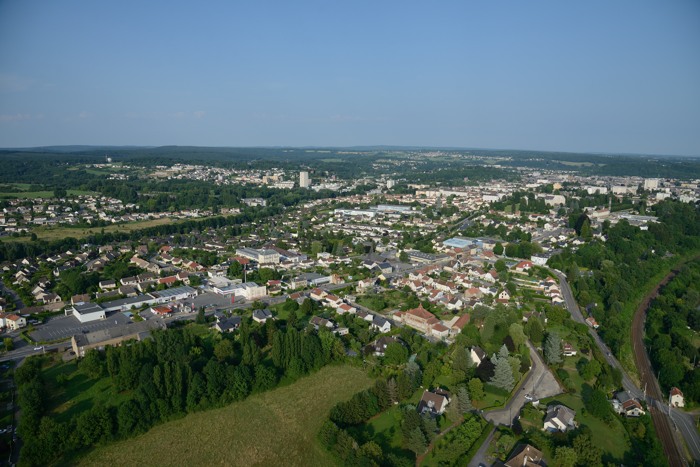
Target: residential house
{"points": [[568, 350], [478, 355], [228, 324], [559, 418], [525, 455], [317, 322], [378, 347], [261, 316], [380, 324], [592, 322], [12, 321], [676, 398], [433, 403]]}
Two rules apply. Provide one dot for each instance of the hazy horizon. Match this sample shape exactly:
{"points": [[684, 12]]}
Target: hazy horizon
{"points": [[599, 77]]}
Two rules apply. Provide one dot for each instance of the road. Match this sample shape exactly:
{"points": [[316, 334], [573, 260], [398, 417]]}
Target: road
{"points": [[13, 294], [577, 316], [668, 422], [539, 383]]}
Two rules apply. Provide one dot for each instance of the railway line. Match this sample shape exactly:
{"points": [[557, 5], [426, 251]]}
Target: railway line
{"points": [[654, 396]]}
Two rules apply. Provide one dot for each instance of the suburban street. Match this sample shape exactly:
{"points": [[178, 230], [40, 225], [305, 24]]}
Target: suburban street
{"points": [[539, 384]]}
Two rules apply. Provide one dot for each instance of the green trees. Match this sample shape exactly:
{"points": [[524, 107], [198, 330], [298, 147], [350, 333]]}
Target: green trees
{"points": [[395, 354], [403, 257], [9, 345], [503, 374], [464, 403], [476, 389], [565, 457], [552, 348], [170, 375]]}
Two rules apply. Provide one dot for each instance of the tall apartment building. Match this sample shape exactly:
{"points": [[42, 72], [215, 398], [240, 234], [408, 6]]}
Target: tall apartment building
{"points": [[304, 181]]}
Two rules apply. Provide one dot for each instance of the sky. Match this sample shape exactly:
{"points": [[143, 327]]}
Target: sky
{"points": [[596, 76]]}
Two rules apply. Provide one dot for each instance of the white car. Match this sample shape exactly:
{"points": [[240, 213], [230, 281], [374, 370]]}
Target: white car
{"points": [[528, 397], [38, 348]]}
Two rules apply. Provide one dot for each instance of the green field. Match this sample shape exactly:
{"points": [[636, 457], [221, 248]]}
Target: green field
{"points": [[78, 393], [57, 233], [278, 427], [41, 194]]}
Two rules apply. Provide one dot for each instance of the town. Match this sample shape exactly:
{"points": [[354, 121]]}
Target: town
{"points": [[456, 295]]}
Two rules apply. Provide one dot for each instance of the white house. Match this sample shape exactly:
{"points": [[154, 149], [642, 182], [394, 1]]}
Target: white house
{"points": [[676, 398], [478, 355], [380, 324], [559, 418]]}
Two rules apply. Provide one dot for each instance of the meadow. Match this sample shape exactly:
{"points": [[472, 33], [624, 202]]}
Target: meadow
{"points": [[278, 427]]}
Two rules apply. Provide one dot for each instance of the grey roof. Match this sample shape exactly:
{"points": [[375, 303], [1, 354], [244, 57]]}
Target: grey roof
{"points": [[174, 291], [262, 314], [87, 308], [113, 332]]}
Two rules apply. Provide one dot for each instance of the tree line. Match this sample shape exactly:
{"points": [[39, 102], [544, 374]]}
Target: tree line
{"points": [[174, 373]]}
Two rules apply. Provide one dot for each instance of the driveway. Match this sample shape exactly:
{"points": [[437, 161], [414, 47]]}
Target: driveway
{"points": [[539, 382]]}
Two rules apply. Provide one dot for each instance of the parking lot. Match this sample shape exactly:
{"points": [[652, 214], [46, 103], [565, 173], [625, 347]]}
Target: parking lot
{"points": [[64, 327]]}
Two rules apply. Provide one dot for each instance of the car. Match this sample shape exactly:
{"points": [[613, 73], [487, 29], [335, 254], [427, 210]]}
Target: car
{"points": [[529, 397], [38, 348]]}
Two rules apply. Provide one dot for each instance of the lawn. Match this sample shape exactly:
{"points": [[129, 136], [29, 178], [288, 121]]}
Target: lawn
{"points": [[611, 439], [78, 393], [278, 427], [41, 194]]}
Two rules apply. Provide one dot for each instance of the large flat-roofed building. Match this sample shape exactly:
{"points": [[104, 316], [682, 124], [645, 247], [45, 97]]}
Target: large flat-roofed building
{"points": [[86, 312], [265, 256], [81, 343]]}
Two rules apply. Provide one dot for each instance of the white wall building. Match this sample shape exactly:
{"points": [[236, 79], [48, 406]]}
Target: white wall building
{"points": [[304, 181]]}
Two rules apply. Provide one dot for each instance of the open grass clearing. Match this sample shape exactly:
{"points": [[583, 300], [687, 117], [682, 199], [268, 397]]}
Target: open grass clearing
{"points": [[278, 427], [612, 439]]}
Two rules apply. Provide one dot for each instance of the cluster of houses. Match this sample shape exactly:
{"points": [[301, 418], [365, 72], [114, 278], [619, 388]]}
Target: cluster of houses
{"points": [[19, 217]]}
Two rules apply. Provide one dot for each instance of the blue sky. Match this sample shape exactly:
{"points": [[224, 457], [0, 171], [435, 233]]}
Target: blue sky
{"points": [[601, 76]]}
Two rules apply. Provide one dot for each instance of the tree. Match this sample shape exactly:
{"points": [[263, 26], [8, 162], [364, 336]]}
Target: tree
{"points": [[552, 348], [588, 453], [201, 317], [416, 441], [9, 344], [235, 270], [403, 257], [503, 374], [91, 364], [535, 330], [565, 457], [395, 354], [498, 249], [224, 350], [464, 403], [515, 331], [476, 389]]}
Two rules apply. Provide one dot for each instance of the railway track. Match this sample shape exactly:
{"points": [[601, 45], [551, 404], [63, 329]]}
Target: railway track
{"points": [[654, 396]]}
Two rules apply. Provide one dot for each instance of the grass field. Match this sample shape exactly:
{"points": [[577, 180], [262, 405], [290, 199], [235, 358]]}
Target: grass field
{"points": [[57, 233], [278, 427], [40, 194], [78, 393]]}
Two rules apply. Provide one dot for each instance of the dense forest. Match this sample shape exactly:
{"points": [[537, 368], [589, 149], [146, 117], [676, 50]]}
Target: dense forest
{"points": [[673, 320], [163, 378]]}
